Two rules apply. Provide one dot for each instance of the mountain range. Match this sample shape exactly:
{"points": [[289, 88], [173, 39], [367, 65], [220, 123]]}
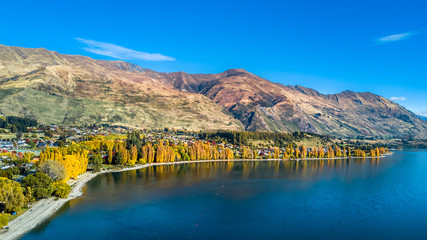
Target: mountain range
{"points": [[69, 89]]}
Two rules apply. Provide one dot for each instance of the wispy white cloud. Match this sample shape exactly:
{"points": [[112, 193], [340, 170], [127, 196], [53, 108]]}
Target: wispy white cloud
{"points": [[119, 52], [398, 98], [394, 37], [422, 113]]}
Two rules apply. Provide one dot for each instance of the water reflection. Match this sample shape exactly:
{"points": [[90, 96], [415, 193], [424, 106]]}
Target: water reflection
{"points": [[192, 173], [238, 200]]}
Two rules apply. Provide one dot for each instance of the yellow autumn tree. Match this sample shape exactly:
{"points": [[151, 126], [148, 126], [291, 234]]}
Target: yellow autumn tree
{"points": [[74, 158], [133, 155], [330, 152], [303, 152]]}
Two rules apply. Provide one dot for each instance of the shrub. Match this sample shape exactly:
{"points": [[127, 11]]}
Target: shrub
{"points": [[4, 221], [62, 189], [95, 163]]}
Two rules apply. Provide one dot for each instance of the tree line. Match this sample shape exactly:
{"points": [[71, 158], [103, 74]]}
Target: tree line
{"points": [[136, 150], [244, 137], [17, 124]]}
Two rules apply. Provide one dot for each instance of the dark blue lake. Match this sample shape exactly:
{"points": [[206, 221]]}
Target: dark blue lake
{"points": [[324, 199]]}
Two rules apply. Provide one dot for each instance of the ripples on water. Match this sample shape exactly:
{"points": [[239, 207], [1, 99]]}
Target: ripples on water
{"points": [[383, 198]]}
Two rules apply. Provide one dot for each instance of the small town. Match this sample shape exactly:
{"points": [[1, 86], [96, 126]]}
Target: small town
{"points": [[20, 151]]}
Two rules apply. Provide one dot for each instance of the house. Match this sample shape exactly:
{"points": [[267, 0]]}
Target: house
{"points": [[41, 144], [27, 165], [6, 145], [6, 167]]}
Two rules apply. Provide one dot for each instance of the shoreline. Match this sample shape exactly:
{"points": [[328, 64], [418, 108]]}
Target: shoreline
{"points": [[44, 208]]}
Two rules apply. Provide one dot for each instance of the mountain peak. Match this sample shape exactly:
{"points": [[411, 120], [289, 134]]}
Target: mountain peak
{"points": [[234, 71]]}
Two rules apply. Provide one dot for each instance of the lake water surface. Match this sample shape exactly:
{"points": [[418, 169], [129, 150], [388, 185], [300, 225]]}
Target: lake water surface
{"points": [[382, 198]]}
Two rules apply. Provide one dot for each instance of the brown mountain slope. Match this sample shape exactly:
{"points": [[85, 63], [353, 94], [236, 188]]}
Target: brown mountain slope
{"points": [[59, 88], [263, 105]]}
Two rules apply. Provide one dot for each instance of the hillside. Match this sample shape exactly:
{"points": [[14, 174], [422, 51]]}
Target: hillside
{"points": [[58, 88], [263, 105]]}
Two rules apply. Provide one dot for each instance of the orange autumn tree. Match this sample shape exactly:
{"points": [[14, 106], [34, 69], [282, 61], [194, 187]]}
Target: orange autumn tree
{"points": [[337, 151], [321, 152], [330, 152], [147, 154], [303, 152]]}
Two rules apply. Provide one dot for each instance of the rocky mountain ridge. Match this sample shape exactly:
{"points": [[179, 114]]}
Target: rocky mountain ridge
{"points": [[61, 88]]}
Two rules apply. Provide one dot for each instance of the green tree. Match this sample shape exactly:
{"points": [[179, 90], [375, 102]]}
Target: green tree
{"points": [[26, 158], [13, 129], [11, 195], [4, 221], [133, 139], [95, 162], [63, 138], [48, 133], [6, 174], [40, 184], [184, 155], [32, 144], [62, 189]]}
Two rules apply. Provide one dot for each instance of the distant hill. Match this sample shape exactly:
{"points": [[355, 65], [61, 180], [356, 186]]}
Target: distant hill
{"points": [[422, 117], [58, 88]]}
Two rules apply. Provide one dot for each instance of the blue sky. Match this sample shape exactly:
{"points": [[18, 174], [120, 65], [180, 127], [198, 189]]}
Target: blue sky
{"points": [[376, 46]]}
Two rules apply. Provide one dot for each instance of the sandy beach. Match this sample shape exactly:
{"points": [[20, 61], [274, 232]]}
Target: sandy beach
{"points": [[44, 208]]}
